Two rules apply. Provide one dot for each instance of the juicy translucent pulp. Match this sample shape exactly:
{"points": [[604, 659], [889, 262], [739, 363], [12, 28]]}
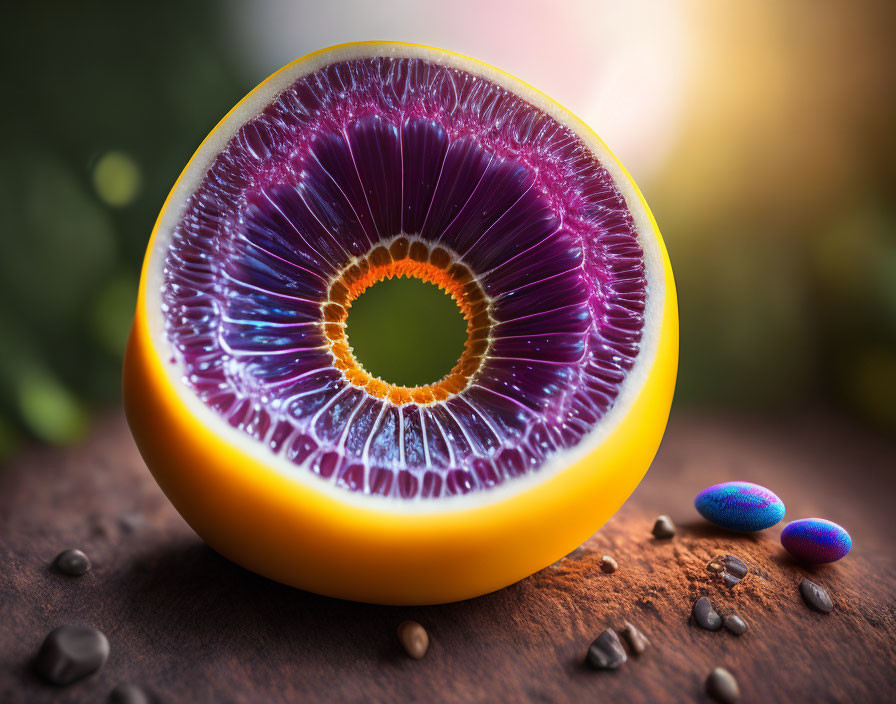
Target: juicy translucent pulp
{"points": [[348, 158]]}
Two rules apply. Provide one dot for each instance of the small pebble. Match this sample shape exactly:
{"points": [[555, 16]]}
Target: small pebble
{"points": [[715, 567], [637, 641], [125, 693], [606, 652], [70, 653], [735, 624], [722, 687], [816, 596], [705, 615], [815, 540], [72, 562], [414, 639], [608, 564], [663, 528], [740, 506], [132, 521]]}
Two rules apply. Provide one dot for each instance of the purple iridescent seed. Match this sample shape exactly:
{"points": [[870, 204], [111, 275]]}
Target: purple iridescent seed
{"points": [[815, 540]]}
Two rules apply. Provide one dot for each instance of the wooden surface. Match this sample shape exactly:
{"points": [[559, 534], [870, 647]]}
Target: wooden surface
{"points": [[192, 627]]}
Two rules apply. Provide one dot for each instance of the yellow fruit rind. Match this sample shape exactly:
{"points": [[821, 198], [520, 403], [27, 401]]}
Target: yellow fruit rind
{"points": [[290, 530]]}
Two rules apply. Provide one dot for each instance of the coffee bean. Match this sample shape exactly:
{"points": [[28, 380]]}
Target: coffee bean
{"points": [[734, 566], [735, 624], [128, 694], [413, 638], [705, 615], [722, 687], [663, 528], [70, 653], [608, 564], [637, 641], [606, 652], [815, 596], [730, 568], [72, 562], [730, 580]]}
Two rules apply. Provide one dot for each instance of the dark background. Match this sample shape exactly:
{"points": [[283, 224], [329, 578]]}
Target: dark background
{"points": [[761, 134]]}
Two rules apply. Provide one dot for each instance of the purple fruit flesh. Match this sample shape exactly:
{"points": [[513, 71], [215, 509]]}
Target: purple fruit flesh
{"points": [[352, 156]]}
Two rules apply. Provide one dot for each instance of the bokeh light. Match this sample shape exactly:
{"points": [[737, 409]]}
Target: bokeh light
{"points": [[622, 67], [116, 178], [48, 409]]}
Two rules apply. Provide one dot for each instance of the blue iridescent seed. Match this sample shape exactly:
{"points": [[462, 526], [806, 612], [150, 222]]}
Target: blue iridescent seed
{"points": [[815, 540], [740, 506]]}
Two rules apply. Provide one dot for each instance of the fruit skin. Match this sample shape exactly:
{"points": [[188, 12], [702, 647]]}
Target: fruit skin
{"points": [[816, 540], [288, 531]]}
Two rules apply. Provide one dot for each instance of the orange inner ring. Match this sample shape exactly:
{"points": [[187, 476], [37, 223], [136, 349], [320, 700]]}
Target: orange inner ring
{"points": [[405, 257]]}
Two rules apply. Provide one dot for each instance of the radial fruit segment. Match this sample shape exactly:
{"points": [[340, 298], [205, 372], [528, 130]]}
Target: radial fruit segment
{"points": [[361, 163]]}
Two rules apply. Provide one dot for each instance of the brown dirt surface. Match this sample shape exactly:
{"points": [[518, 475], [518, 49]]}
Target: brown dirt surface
{"points": [[190, 626]]}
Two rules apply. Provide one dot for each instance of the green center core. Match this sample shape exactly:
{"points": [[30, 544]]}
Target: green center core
{"points": [[408, 332]]}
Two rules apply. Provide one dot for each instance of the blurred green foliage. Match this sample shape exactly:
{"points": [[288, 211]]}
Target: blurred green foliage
{"points": [[104, 103]]}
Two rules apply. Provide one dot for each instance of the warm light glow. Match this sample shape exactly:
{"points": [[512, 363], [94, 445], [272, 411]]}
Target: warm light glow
{"points": [[621, 67]]}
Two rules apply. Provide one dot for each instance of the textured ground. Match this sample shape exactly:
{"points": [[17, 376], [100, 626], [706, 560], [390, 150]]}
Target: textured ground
{"points": [[189, 625]]}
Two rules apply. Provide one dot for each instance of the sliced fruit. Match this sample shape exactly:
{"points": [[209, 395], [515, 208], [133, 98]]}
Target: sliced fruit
{"points": [[366, 161]]}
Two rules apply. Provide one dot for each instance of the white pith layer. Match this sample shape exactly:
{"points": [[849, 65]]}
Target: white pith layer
{"points": [[249, 108]]}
